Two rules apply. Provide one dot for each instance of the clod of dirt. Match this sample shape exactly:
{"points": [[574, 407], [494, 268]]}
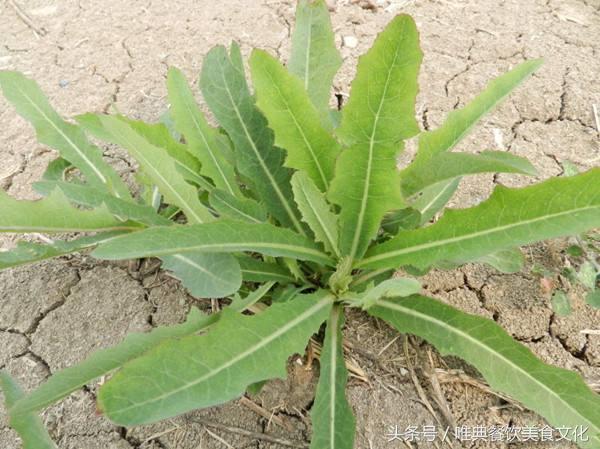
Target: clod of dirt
{"points": [[12, 345], [168, 297]]}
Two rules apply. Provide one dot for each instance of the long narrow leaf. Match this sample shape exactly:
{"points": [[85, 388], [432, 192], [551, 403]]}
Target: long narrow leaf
{"points": [[223, 236], [316, 212], [509, 218], [314, 58], [331, 415], [557, 394], [225, 90], [378, 116], [64, 137], [201, 138], [260, 271], [244, 209], [29, 426], [158, 166], [55, 214], [294, 119], [200, 371]]}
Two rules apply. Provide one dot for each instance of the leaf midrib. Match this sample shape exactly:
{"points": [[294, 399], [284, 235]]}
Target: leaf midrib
{"points": [[234, 360], [424, 246], [483, 346], [199, 267], [332, 242], [333, 322]]}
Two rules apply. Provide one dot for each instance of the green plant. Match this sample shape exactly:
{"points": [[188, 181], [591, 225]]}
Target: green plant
{"points": [[302, 208]]}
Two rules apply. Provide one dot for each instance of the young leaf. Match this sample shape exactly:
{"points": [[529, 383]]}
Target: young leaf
{"points": [[206, 275], [433, 198], [447, 166], [159, 167], [55, 214], [29, 426], [558, 395], [378, 116], [593, 298], [53, 131], [294, 120], [316, 212], [225, 90], [509, 218], [561, 305], [56, 170], [314, 58], [256, 270], [28, 252], [238, 208], [99, 363], [460, 122], [223, 236], [201, 138], [395, 287], [331, 415], [200, 371], [90, 197]]}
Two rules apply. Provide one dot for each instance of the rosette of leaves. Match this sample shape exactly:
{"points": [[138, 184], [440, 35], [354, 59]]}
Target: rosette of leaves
{"points": [[302, 208]]}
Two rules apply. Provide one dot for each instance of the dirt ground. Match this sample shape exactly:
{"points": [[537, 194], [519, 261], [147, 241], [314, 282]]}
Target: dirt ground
{"points": [[88, 55]]}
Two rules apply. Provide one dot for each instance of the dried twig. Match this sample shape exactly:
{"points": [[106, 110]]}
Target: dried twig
{"points": [[39, 31], [266, 414]]}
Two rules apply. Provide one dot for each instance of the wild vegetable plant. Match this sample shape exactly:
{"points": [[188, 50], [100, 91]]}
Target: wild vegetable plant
{"points": [[302, 208]]}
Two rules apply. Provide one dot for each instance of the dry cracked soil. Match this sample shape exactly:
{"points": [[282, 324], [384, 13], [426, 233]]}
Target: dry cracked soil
{"points": [[101, 56]]}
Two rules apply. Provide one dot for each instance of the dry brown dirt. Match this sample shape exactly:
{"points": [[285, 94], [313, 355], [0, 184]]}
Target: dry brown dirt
{"points": [[90, 55]]}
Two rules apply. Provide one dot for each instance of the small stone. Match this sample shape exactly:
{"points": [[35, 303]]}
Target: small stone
{"points": [[350, 41]]}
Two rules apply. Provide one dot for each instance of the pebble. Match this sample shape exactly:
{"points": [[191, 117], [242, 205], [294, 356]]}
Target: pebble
{"points": [[350, 41]]}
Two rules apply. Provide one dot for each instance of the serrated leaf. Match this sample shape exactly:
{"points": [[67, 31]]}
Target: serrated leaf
{"points": [[201, 371], [447, 166], [158, 166], [225, 90], [206, 275], [331, 415], [294, 119], [244, 209], [201, 138], [55, 214], [316, 212], [28, 252], [314, 58], [557, 394], [509, 218], [64, 137], [509, 260], [432, 199], [99, 363], [30, 428], [223, 236], [460, 122], [379, 115], [256, 270], [88, 196]]}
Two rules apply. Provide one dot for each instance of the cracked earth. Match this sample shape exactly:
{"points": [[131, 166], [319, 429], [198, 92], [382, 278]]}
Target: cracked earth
{"points": [[111, 55]]}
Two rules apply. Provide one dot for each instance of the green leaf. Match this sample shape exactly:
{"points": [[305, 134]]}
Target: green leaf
{"points": [[316, 212], [460, 122], [560, 303], [433, 198], [447, 166], [201, 371], [90, 197], [28, 252], [509, 260], [57, 170], [407, 218], [206, 275], [240, 304], [158, 166], [244, 209], [314, 58], [294, 119], [256, 270], [29, 426], [99, 363], [64, 137], [201, 138], [395, 287], [225, 90], [378, 116], [557, 394], [224, 236], [509, 218], [331, 415], [55, 214], [593, 298], [587, 275]]}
